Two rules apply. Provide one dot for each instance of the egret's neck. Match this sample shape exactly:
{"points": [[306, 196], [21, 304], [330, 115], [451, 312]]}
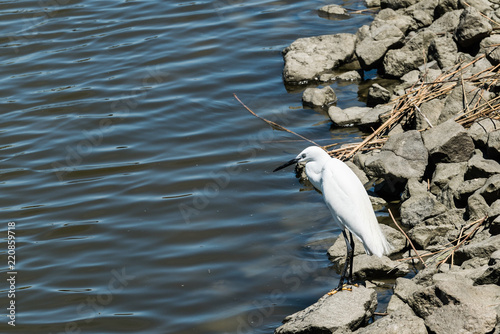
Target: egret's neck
{"points": [[314, 169]]}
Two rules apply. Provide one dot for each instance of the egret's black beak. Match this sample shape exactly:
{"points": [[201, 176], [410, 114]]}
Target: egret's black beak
{"points": [[291, 162]]}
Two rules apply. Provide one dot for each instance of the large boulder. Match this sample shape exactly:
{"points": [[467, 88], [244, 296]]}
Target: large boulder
{"points": [[422, 12], [410, 57], [446, 23], [420, 207], [307, 58], [472, 28], [402, 157], [341, 311], [373, 44], [448, 142], [444, 50]]}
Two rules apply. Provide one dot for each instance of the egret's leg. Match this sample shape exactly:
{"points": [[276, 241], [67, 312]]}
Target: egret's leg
{"points": [[349, 279], [346, 264]]}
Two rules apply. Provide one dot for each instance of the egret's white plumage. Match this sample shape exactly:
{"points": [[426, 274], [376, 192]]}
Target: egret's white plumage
{"points": [[346, 198]]}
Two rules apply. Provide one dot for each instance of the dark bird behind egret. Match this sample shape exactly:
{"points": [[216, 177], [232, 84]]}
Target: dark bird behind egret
{"points": [[346, 197]]}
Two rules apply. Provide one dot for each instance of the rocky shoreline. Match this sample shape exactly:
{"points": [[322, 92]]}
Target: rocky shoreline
{"points": [[441, 161]]}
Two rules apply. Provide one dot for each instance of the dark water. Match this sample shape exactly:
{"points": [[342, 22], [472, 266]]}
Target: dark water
{"points": [[141, 191]]}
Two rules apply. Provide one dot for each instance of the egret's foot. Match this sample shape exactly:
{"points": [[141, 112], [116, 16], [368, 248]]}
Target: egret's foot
{"points": [[346, 287]]}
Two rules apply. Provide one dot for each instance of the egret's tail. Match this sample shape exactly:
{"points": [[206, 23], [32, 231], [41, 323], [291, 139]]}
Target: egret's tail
{"points": [[378, 245]]}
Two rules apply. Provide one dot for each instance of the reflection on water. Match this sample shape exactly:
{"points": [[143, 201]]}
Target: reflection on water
{"points": [[141, 190]]}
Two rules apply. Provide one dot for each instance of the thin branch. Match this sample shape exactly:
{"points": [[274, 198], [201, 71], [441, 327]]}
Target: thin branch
{"points": [[407, 238], [273, 124]]}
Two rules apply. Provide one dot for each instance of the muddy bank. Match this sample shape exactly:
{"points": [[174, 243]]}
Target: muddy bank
{"points": [[435, 147]]}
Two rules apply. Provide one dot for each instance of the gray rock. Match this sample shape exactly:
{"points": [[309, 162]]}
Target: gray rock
{"points": [[403, 22], [404, 288], [480, 130], [464, 317], [345, 76], [420, 207], [478, 167], [372, 118], [396, 305], [452, 217], [446, 23], [372, 48], [396, 4], [359, 173], [402, 157], [472, 28], [476, 206], [474, 263], [469, 306], [333, 12], [398, 323], [452, 290], [494, 210], [455, 101], [422, 12], [482, 248], [468, 187], [411, 78], [307, 58], [491, 189], [347, 117], [448, 194], [344, 310], [337, 251], [394, 237], [414, 187], [410, 57], [483, 6], [494, 258], [377, 95], [371, 266], [493, 145], [423, 234], [318, 97], [446, 6], [445, 51], [490, 276], [372, 3], [424, 301], [448, 142], [489, 46], [444, 172]]}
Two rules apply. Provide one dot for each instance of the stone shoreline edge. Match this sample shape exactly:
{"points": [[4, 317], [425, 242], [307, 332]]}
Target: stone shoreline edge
{"points": [[439, 161]]}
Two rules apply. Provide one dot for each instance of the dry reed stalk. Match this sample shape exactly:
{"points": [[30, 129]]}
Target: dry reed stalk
{"points": [[407, 238]]}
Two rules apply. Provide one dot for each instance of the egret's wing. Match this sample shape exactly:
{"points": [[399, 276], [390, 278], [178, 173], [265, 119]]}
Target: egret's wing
{"points": [[351, 207], [346, 197]]}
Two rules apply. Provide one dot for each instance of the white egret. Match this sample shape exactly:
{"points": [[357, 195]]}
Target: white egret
{"points": [[348, 202]]}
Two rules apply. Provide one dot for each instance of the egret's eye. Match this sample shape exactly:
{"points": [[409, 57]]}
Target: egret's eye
{"points": [[303, 155]]}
